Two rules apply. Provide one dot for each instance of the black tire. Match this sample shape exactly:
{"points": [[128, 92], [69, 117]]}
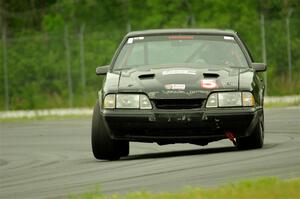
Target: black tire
{"points": [[103, 146], [255, 140], [125, 148]]}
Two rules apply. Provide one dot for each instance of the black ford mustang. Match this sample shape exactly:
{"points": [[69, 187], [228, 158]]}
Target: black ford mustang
{"points": [[179, 86]]}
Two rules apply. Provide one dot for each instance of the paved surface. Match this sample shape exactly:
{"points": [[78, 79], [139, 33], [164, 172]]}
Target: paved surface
{"points": [[49, 159]]}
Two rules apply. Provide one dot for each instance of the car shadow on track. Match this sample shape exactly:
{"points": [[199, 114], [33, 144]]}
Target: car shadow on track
{"points": [[180, 153]]}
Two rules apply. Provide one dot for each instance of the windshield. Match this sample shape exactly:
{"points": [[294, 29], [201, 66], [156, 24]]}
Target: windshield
{"points": [[202, 51]]}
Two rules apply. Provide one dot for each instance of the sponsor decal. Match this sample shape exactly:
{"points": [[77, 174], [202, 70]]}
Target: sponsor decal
{"points": [[181, 37], [132, 39], [228, 38], [175, 86], [208, 84], [179, 72], [173, 92]]}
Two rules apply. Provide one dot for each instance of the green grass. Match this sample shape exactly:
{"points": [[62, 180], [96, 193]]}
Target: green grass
{"points": [[262, 188], [58, 117], [282, 104], [41, 118]]}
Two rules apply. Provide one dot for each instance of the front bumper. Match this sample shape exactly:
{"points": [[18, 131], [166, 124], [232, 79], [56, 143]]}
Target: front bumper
{"points": [[185, 125]]}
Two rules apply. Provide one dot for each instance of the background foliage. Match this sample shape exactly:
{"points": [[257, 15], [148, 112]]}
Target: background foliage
{"points": [[35, 33]]}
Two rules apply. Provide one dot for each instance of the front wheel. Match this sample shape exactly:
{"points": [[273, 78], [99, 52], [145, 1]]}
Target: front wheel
{"points": [[103, 146], [255, 140]]}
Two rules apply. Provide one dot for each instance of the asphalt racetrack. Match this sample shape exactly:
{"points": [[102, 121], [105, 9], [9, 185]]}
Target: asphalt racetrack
{"points": [[50, 159]]}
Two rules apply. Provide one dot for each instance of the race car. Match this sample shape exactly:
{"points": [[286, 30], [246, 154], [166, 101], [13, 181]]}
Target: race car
{"points": [[179, 86]]}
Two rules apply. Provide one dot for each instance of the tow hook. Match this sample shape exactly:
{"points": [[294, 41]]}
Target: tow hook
{"points": [[231, 137]]}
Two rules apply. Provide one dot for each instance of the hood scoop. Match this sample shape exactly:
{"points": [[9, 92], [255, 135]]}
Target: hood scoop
{"points": [[146, 76], [211, 75]]}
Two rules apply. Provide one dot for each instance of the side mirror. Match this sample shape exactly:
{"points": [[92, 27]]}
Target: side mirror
{"points": [[259, 67], [102, 70]]}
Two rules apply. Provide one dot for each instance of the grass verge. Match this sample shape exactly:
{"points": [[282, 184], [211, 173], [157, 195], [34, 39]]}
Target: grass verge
{"points": [[282, 104], [87, 116], [262, 188], [46, 118]]}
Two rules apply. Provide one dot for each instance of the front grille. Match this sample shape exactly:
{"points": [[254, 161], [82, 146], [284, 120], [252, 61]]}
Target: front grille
{"points": [[178, 103]]}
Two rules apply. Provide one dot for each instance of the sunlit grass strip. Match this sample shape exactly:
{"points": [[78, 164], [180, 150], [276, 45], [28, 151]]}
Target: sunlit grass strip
{"points": [[45, 118], [79, 113], [262, 188], [282, 104]]}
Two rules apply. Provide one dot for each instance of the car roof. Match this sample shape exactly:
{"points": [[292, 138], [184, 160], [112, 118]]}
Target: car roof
{"points": [[181, 31]]}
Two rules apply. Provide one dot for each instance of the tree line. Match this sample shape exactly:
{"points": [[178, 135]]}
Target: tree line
{"points": [[50, 48]]}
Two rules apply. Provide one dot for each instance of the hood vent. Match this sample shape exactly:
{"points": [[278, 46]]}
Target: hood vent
{"points": [[210, 75], [146, 76]]}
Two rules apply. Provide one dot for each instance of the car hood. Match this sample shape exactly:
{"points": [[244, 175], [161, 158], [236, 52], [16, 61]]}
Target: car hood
{"points": [[176, 83]]}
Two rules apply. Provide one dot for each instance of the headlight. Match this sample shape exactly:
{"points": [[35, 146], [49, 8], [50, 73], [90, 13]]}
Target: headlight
{"points": [[145, 102], [127, 101], [248, 99], [110, 101], [230, 99], [212, 101]]}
